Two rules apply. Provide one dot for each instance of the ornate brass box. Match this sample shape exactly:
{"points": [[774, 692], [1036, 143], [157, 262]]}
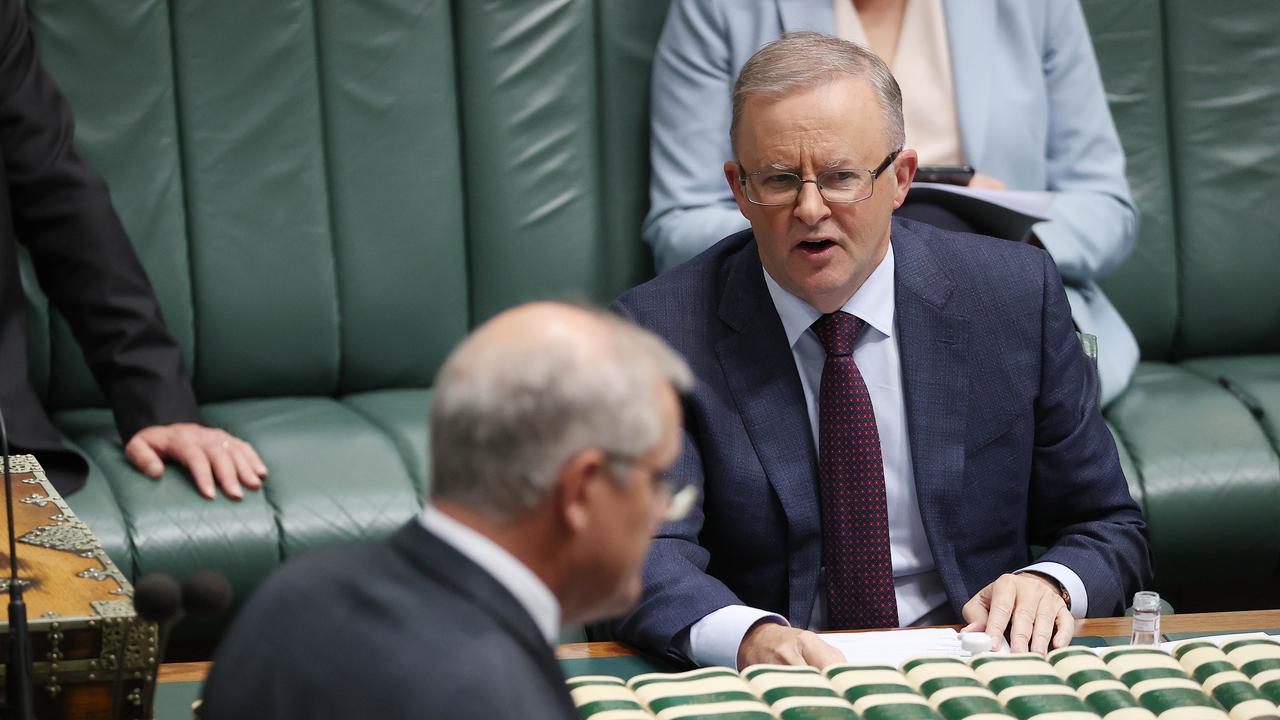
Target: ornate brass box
{"points": [[94, 658]]}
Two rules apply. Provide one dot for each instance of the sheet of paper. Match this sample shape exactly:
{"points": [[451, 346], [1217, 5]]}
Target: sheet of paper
{"points": [[1218, 640], [894, 647]]}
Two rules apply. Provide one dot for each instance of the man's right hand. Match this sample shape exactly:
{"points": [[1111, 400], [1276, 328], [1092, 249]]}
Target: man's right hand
{"points": [[209, 454], [776, 644]]}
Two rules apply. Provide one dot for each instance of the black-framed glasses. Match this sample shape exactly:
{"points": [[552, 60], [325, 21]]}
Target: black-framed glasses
{"points": [[676, 500], [772, 188]]}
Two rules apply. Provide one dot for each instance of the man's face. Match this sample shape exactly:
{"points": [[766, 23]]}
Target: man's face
{"points": [[634, 508], [820, 251]]}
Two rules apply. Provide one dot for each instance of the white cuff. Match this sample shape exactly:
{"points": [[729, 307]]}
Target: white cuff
{"points": [[714, 640], [1070, 582]]}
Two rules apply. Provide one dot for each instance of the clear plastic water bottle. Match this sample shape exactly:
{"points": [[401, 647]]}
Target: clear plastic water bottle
{"points": [[1146, 619]]}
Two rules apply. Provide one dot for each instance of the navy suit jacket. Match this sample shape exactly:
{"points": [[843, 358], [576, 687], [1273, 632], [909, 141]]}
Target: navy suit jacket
{"points": [[1008, 447], [406, 628]]}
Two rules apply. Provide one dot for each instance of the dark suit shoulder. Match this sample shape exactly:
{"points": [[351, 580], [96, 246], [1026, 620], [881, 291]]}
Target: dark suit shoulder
{"points": [[681, 304], [989, 276], [699, 279], [363, 632]]}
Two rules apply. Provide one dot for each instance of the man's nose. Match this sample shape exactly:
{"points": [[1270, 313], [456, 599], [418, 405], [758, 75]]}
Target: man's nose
{"points": [[811, 208]]}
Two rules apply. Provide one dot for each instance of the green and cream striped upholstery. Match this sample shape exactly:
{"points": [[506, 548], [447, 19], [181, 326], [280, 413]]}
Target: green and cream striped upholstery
{"points": [[798, 693], [1259, 659], [715, 692], [879, 692], [1101, 690], [1224, 681], [1158, 681], [604, 697], [953, 690], [1197, 681], [1029, 688]]}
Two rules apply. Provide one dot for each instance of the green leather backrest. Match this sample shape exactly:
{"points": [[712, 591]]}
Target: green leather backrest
{"points": [[327, 194], [1224, 103], [628, 33], [1193, 92], [555, 115], [290, 173], [529, 109]]}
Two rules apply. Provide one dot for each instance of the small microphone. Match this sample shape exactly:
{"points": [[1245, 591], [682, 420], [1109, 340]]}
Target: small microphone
{"points": [[206, 594], [158, 598], [19, 700]]}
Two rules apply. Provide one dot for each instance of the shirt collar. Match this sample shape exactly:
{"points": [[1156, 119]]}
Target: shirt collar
{"points": [[873, 302], [515, 576]]}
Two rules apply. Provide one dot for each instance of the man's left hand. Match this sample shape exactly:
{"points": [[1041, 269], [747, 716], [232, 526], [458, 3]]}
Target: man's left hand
{"points": [[207, 453], [1028, 605]]}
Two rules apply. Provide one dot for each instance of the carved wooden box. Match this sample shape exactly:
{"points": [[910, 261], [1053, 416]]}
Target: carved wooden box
{"points": [[93, 657]]}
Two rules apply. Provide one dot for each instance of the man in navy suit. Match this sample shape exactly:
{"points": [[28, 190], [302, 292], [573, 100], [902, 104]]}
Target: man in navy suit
{"points": [[888, 416]]}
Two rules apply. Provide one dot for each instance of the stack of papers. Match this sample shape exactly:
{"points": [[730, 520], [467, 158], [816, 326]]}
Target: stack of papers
{"points": [[894, 647]]}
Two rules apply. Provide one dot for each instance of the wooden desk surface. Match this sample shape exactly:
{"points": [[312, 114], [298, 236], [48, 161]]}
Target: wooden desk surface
{"points": [[1212, 623]]}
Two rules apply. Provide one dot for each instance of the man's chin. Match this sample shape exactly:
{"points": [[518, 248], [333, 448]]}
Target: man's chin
{"points": [[825, 288]]}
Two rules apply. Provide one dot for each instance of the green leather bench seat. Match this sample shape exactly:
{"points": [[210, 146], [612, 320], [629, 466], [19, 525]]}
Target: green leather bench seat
{"points": [[327, 195], [291, 176], [1209, 475], [336, 476], [1193, 94], [1255, 378]]}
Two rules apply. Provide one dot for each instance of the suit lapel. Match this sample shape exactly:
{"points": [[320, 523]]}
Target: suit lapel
{"points": [[761, 374], [441, 562], [796, 15], [933, 345], [971, 34]]}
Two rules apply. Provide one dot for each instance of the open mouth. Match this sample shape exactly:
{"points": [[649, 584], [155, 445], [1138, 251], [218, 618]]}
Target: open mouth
{"points": [[815, 247]]}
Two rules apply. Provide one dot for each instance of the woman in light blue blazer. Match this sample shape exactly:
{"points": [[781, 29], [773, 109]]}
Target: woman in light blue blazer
{"points": [[1031, 110]]}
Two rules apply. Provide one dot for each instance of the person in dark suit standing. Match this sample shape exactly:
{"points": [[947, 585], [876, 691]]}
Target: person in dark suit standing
{"points": [[551, 429], [58, 208], [888, 415]]}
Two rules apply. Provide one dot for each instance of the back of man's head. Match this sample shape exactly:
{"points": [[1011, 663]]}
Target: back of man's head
{"points": [[532, 388], [802, 60]]}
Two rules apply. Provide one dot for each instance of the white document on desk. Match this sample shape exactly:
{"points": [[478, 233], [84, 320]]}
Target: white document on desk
{"points": [[894, 647], [1218, 640]]}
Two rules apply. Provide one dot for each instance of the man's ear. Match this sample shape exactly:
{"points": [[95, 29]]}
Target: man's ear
{"points": [[575, 488], [732, 176], [904, 171]]}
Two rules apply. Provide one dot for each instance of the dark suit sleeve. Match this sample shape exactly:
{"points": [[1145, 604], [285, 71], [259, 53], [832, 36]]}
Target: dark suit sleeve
{"points": [[678, 591], [1080, 506], [83, 259]]}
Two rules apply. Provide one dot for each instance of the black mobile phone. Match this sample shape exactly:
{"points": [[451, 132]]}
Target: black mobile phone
{"points": [[949, 174]]}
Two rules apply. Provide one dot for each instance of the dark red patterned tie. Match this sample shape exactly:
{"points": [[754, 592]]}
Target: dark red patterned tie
{"points": [[855, 517]]}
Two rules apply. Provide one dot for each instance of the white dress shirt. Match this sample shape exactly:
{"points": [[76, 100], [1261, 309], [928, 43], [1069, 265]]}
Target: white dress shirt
{"points": [[714, 639], [515, 576]]}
